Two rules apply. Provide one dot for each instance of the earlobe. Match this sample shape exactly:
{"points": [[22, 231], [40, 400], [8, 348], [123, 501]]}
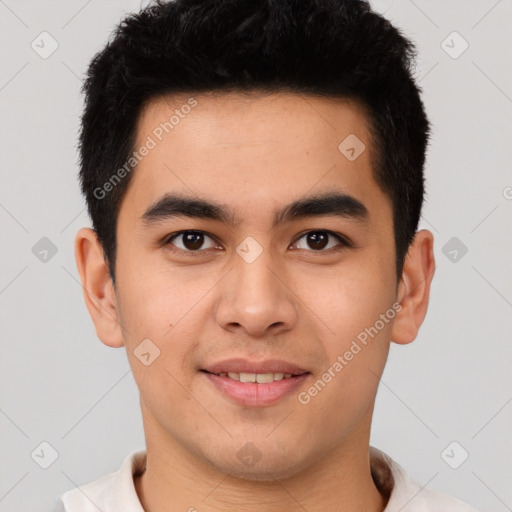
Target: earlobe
{"points": [[98, 290], [414, 288]]}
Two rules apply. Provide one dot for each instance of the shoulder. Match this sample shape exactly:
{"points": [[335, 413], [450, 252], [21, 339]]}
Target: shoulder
{"points": [[406, 495], [91, 496], [105, 492], [433, 501]]}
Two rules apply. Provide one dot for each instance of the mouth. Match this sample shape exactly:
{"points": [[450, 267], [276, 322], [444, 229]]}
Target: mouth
{"points": [[252, 383], [256, 388], [258, 378]]}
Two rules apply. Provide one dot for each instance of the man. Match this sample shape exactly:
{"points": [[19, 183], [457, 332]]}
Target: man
{"points": [[254, 174]]}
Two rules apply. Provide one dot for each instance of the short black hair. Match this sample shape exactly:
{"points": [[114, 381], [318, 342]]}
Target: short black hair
{"points": [[330, 48]]}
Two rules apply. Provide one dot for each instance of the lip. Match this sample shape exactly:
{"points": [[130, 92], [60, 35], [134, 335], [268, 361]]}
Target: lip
{"points": [[240, 365], [256, 395]]}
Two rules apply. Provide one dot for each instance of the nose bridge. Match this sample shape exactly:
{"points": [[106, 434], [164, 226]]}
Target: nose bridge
{"points": [[253, 272], [253, 297]]}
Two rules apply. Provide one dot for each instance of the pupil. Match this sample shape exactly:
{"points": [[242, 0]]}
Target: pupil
{"points": [[319, 240], [193, 240]]}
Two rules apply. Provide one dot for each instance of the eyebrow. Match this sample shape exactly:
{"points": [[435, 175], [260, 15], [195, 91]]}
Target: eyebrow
{"points": [[329, 203]]}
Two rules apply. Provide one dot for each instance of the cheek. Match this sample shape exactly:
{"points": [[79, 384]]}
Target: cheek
{"points": [[355, 337], [153, 297], [159, 320], [349, 297], [355, 341], [164, 306]]}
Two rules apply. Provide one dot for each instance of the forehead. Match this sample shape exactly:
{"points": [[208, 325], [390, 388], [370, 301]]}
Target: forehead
{"points": [[253, 118], [249, 149]]}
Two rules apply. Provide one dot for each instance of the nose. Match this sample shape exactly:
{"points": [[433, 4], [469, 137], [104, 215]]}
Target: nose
{"points": [[256, 299]]}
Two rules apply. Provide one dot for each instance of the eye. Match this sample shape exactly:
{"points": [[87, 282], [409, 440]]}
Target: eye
{"points": [[319, 240], [190, 241], [194, 241]]}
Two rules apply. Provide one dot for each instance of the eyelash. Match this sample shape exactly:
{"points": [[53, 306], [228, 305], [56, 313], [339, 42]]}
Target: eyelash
{"points": [[344, 242]]}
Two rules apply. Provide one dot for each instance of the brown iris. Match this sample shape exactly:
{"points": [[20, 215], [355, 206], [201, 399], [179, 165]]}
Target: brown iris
{"points": [[317, 239], [193, 240]]}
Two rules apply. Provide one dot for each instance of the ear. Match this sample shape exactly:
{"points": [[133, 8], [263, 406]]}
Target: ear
{"points": [[414, 288], [98, 289]]}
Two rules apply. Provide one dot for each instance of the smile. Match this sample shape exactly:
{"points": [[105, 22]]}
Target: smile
{"points": [[255, 389], [259, 378]]}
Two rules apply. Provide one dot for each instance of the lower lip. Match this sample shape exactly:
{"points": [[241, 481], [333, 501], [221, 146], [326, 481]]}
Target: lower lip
{"points": [[253, 394]]}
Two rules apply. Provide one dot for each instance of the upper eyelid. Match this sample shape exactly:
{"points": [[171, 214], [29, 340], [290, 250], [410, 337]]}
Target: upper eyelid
{"points": [[339, 236], [171, 237]]}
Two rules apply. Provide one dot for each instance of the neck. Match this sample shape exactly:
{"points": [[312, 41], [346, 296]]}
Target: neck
{"points": [[176, 479]]}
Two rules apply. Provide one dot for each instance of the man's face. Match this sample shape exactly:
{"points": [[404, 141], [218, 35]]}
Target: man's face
{"points": [[251, 289]]}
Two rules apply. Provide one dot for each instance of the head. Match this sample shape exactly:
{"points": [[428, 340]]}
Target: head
{"points": [[333, 49], [265, 121]]}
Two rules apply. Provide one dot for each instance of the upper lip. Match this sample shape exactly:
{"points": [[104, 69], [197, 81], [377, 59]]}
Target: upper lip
{"points": [[240, 365]]}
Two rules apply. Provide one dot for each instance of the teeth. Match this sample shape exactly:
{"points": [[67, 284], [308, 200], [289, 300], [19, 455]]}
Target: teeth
{"points": [[260, 378], [247, 377], [264, 377]]}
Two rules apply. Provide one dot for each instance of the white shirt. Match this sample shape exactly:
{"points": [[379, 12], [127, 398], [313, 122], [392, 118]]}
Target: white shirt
{"points": [[115, 492]]}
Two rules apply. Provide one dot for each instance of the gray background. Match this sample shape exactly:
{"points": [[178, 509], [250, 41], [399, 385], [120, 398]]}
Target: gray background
{"points": [[59, 384]]}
